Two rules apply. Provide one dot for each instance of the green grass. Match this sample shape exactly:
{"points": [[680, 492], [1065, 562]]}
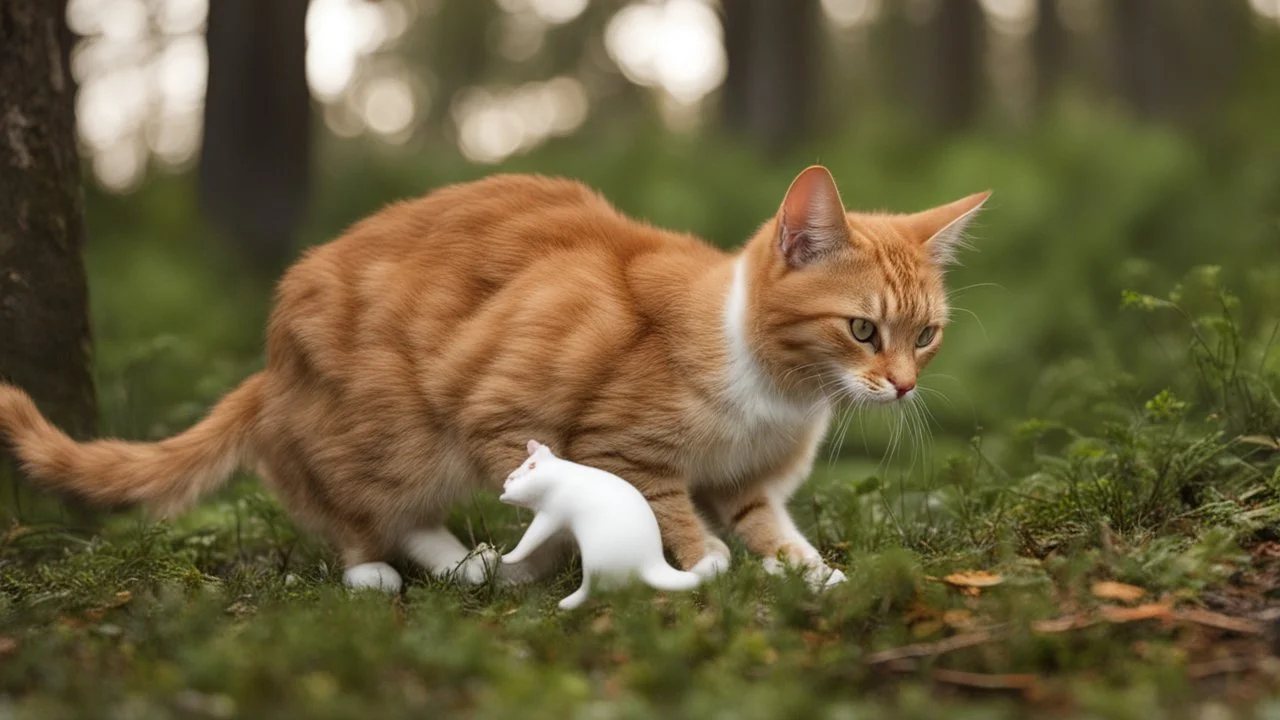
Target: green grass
{"points": [[230, 611], [1078, 441]]}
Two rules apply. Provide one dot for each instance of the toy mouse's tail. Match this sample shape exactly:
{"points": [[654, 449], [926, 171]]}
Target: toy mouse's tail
{"points": [[664, 577]]}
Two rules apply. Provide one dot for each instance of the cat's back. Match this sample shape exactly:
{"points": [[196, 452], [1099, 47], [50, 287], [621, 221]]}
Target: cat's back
{"points": [[439, 259]]}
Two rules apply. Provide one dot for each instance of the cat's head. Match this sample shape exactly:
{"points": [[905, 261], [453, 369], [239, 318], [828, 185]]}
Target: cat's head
{"points": [[526, 484], [850, 304]]}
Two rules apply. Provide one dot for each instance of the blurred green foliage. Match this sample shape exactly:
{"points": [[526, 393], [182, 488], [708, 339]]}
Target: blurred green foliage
{"points": [[1086, 205], [1108, 408]]}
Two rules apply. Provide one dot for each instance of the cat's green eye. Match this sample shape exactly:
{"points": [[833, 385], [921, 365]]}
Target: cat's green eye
{"points": [[863, 330], [926, 336]]}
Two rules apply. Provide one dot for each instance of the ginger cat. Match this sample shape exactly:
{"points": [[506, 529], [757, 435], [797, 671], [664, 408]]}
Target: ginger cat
{"points": [[409, 361]]}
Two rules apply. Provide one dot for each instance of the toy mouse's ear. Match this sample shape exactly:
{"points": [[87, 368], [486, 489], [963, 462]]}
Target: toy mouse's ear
{"points": [[533, 446]]}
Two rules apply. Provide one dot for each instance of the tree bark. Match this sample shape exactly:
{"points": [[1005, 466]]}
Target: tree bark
{"points": [[772, 54], [44, 316], [1049, 48], [1176, 59], [256, 152], [957, 76]]}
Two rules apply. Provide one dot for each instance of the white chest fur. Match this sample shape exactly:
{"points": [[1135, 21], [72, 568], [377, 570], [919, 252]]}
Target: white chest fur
{"points": [[755, 428]]}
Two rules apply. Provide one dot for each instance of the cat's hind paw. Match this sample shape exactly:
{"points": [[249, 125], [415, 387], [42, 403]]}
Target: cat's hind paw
{"points": [[372, 576]]}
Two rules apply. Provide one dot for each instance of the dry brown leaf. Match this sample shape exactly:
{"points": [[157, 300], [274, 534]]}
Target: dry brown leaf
{"points": [[8, 645], [1149, 611], [973, 579], [934, 648], [602, 624], [1262, 440], [1108, 590]]}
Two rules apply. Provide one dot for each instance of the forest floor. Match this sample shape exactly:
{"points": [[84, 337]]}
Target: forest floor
{"points": [[1120, 559], [230, 612]]}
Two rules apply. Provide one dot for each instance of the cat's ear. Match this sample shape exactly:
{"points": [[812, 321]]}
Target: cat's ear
{"points": [[942, 228], [811, 222]]}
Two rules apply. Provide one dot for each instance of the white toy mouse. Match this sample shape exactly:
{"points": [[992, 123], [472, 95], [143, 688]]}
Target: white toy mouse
{"points": [[614, 527]]}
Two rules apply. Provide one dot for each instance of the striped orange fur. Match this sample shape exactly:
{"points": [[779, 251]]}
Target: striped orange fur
{"points": [[409, 361]]}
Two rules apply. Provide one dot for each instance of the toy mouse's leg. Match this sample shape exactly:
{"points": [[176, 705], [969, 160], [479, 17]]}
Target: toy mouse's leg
{"points": [[550, 557], [578, 597], [544, 525]]}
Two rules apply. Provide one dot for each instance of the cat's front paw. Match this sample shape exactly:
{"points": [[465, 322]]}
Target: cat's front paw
{"points": [[711, 565], [816, 573], [479, 566]]}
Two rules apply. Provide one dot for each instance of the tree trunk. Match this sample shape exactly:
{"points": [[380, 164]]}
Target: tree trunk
{"points": [[772, 62], [1146, 80], [1176, 59], [255, 157], [44, 315], [1049, 48], [957, 76]]}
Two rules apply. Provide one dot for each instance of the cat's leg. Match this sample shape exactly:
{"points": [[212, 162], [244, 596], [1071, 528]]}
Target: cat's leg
{"points": [[442, 554], [291, 477], [364, 573], [695, 548], [762, 520]]}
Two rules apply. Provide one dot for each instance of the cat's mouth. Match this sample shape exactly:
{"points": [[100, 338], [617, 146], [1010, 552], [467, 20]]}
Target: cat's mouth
{"points": [[859, 390]]}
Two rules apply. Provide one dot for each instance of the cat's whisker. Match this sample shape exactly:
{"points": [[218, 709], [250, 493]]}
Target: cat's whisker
{"points": [[924, 416], [974, 315], [956, 291], [939, 393], [837, 443]]}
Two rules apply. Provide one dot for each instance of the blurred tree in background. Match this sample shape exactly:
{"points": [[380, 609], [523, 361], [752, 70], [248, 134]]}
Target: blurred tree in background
{"points": [[1126, 140], [255, 157], [44, 322], [772, 58]]}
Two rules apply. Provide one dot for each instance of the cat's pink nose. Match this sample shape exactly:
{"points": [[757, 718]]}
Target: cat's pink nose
{"points": [[904, 387]]}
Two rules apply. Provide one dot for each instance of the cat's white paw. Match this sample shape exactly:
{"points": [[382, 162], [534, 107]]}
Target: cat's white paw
{"points": [[711, 565], [372, 576], [774, 566], [479, 566], [716, 546], [835, 578], [816, 572]]}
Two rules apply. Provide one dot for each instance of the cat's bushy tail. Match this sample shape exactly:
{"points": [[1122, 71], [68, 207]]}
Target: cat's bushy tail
{"points": [[664, 577], [166, 476]]}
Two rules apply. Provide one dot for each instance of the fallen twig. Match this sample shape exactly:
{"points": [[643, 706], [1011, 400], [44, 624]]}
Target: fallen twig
{"points": [[1208, 618], [940, 647], [1222, 666], [986, 681]]}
